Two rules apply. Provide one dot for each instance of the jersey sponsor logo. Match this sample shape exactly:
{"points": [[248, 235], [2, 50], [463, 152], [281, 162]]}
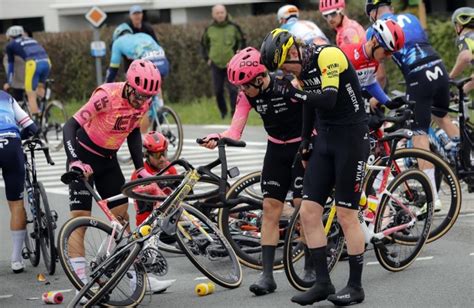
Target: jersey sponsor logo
{"points": [[331, 71], [248, 63], [125, 123], [298, 183], [434, 75], [353, 97], [360, 174], [402, 20], [101, 103], [301, 96], [315, 81], [85, 115], [71, 149], [356, 54], [262, 109]]}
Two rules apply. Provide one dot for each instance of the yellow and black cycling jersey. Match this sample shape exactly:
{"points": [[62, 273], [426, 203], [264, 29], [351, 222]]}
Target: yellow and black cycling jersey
{"points": [[331, 86], [466, 42]]}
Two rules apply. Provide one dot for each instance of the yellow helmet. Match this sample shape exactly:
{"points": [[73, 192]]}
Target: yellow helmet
{"points": [[275, 48]]}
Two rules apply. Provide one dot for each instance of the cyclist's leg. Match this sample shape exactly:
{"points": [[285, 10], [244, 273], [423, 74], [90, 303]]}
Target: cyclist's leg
{"points": [[31, 81], [12, 164], [44, 67]]}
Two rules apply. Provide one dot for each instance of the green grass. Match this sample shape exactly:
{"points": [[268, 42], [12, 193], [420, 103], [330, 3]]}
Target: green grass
{"points": [[201, 111]]}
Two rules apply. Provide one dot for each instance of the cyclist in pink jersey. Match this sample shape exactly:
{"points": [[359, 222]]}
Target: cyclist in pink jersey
{"points": [[348, 31], [95, 133]]}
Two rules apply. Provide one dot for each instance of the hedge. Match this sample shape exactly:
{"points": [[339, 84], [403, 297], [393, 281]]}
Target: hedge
{"points": [[74, 70]]}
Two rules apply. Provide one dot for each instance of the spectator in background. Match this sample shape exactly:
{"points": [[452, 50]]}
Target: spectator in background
{"points": [[220, 41]]}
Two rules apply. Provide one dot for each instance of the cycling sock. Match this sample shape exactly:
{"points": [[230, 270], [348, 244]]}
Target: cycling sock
{"points": [[18, 238], [268, 257], [320, 262], [431, 175], [79, 266], [356, 263]]}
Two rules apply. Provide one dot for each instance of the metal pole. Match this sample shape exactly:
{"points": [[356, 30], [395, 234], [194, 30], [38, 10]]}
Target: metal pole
{"points": [[98, 60]]}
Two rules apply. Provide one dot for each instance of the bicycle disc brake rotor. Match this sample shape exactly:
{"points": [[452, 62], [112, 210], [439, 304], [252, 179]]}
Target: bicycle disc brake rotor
{"points": [[154, 261]]}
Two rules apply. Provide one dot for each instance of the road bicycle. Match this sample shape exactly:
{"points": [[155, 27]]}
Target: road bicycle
{"points": [[41, 219], [113, 251], [398, 226], [52, 116]]}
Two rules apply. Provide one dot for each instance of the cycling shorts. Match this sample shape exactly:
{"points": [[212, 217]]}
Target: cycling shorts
{"points": [[107, 178], [428, 85], [36, 71], [338, 160], [12, 163], [281, 172]]}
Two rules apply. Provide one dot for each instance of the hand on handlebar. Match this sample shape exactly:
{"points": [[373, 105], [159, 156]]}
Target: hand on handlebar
{"points": [[80, 166], [305, 150], [210, 141]]}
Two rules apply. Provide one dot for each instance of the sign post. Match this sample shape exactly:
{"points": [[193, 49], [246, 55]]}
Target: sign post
{"points": [[96, 17]]}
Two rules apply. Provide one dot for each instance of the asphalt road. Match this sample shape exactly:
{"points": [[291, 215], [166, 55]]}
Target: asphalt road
{"points": [[443, 276]]}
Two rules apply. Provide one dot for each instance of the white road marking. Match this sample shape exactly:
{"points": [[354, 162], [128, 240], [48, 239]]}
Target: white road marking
{"points": [[278, 271], [201, 278], [472, 254], [6, 296], [372, 263], [424, 258]]}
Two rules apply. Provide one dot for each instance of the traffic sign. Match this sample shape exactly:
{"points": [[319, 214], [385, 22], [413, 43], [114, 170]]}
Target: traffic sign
{"points": [[98, 48], [96, 16]]}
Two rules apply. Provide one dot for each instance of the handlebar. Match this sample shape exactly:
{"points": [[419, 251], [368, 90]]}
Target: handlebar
{"points": [[225, 142], [32, 145]]}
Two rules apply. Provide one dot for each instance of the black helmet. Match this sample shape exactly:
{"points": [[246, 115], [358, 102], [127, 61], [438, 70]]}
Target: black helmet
{"points": [[275, 48], [373, 4]]}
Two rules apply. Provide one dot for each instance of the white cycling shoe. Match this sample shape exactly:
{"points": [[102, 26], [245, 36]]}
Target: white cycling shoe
{"points": [[158, 286], [18, 266]]}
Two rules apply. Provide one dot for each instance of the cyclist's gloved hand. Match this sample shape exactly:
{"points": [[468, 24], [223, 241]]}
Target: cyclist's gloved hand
{"points": [[151, 189], [305, 149], [283, 86], [143, 173], [80, 166], [210, 141], [395, 103]]}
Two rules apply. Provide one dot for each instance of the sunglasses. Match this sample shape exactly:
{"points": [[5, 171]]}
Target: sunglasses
{"points": [[330, 15], [157, 155], [138, 96], [247, 86]]}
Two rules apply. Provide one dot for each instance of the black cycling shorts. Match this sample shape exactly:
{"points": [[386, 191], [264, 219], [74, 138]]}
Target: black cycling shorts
{"points": [[12, 163], [338, 161], [428, 87], [281, 172], [107, 178]]}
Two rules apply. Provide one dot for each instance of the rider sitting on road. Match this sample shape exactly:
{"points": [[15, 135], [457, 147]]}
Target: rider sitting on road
{"points": [[281, 171], [133, 47], [12, 163], [463, 20]]}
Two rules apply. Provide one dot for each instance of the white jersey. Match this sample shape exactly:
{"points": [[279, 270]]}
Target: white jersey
{"points": [[304, 30]]}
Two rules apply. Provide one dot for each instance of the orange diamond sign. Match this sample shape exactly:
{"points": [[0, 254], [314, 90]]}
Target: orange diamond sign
{"points": [[96, 16]]}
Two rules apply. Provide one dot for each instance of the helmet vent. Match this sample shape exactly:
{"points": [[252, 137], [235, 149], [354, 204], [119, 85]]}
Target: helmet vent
{"points": [[137, 81]]}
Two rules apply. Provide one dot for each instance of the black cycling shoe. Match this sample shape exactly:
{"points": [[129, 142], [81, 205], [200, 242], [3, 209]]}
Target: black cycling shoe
{"points": [[309, 275], [348, 296], [318, 292], [263, 286]]}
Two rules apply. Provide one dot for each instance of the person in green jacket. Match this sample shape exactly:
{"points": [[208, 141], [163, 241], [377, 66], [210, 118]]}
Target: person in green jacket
{"points": [[220, 41]]}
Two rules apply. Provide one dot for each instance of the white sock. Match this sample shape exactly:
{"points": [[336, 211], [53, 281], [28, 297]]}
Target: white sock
{"points": [[431, 175], [18, 238], [79, 266]]}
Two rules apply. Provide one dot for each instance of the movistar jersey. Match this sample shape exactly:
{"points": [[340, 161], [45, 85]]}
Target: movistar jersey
{"points": [[135, 46]]}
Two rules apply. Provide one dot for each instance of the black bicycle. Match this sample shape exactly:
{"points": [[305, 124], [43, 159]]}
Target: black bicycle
{"points": [[41, 220]]}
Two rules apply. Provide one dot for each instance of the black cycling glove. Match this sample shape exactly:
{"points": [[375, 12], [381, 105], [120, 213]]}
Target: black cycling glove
{"points": [[283, 86], [395, 103], [305, 149]]}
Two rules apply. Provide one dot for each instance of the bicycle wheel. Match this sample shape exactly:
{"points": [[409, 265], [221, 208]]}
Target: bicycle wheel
{"points": [[54, 118], [397, 250], [206, 247], [296, 259], [169, 124], [97, 237], [47, 225], [449, 193], [241, 224], [205, 188], [32, 239]]}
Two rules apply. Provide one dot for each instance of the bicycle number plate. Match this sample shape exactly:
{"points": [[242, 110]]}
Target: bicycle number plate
{"points": [[233, 172]]}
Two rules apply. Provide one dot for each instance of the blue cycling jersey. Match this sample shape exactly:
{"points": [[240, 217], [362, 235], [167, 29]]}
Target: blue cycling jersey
{"points": [[417, 50], [8, 122], [304, 30], [27, 48], [135, 46]]}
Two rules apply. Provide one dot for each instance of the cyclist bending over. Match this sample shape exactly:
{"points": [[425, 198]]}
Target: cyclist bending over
{"points": [[95, 133], [282, 121], [331, 91], [12, 163], [133, 47], [463, 20]]}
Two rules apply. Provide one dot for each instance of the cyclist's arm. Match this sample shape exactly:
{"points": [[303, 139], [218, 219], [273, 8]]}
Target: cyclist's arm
{"points": [[11, 63], [69, 138], [376, 91], [462, 62], [115, 61], [134, 142], [22, 118], [239, 119], [309, 117]]}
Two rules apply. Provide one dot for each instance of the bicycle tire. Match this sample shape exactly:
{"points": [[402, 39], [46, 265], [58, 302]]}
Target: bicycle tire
{"points": [[47, 226], [293, 252], [91, 222], [32, 241], [416, 199], [230, 277], [250, 255], [173, 181], [174, 136], [54, 121], [446, 219]]}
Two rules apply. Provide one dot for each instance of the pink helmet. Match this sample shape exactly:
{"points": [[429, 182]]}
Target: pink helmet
{"points": [[245, 66], [331, 5], [144, 77]]}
